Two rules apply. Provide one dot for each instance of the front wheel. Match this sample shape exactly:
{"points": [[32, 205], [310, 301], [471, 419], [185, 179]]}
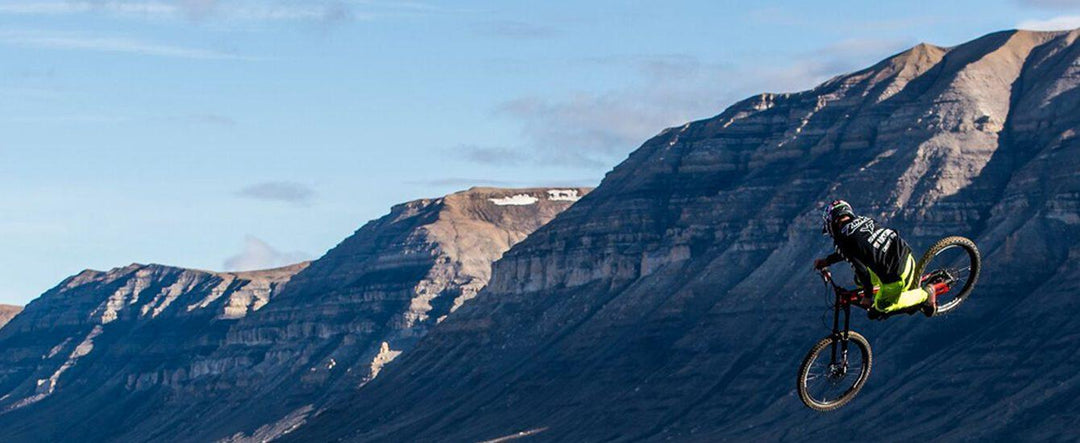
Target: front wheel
{"points": [[831, 375]]}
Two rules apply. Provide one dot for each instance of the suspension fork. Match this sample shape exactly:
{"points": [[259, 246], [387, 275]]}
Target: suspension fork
{"points": [[835, 328], [841, 335], [847, 328]]}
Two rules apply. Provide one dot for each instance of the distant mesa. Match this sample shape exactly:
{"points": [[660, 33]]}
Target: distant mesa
{"points": [[7, 312], [119, 354]]}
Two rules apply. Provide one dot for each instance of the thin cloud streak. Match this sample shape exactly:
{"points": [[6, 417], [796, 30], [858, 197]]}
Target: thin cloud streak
{"points": [[513, 29], [461, 182], [465, 183], [592, 130], [209, 120], [489, 155], [122, 45], [280, 191], [74, 7], [1060, 23], [1052, 4], [236, 10]]}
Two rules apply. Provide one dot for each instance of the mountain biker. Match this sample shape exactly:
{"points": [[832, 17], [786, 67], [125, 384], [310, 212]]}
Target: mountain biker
{"points": [[880, 258]]}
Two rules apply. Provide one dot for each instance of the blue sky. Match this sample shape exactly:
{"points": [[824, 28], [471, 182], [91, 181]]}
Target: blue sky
{"points": [[240, 134]]}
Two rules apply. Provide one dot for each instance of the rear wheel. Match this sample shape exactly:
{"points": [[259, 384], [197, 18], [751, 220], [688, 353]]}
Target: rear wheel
{"points": [[826, 383], [955, 259]]}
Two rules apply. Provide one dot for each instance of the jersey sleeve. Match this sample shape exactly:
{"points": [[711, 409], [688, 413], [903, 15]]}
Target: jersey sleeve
{"points": [[834, 258]]}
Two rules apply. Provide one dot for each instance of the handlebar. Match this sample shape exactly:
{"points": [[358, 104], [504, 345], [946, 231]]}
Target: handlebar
{"points": [[848, 296]]}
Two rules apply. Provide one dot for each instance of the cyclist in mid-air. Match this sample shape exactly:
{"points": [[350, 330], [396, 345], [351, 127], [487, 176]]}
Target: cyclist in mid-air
{"points": [[880, 258]]}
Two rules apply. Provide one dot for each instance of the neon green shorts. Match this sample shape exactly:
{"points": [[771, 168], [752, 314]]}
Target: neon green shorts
{"points": [[900, 294]]}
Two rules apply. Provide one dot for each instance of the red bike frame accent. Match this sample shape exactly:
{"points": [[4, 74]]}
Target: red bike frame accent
{"points": [[844, 297]]}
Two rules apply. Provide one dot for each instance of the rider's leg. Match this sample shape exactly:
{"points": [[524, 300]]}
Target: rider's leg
{"points": [[870, 279], [909, 298], [890, 297], [897, 295]]}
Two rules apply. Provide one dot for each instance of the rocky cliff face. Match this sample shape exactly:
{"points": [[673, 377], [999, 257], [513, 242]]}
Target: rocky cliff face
{"points": [[675, 301], [157, 353], [101, 333], [371, 298], [7, 312]]}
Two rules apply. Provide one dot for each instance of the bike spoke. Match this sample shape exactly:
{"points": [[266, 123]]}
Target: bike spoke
{"points": [[960, 272]]}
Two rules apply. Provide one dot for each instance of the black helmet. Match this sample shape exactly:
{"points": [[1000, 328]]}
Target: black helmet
{"points": [[833, 211]]}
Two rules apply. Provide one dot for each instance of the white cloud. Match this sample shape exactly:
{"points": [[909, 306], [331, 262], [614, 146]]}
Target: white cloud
{"points": [[1059, 23], [257, 255], [68, 41]]}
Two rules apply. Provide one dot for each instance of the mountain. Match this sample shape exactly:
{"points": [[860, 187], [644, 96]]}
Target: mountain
{"points": [[148, 353], [80, 350], [675, 301], [7, 312]]}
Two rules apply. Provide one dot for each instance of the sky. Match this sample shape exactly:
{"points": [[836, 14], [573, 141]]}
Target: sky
{"points": [[236, 135]]}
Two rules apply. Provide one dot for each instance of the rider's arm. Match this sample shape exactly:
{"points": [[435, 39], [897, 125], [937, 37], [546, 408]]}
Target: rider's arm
{"points": [[841, 242], [833, 258]]}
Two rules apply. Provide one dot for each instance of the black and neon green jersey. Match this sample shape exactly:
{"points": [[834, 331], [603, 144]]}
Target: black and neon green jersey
{"points": [[865, 244]]}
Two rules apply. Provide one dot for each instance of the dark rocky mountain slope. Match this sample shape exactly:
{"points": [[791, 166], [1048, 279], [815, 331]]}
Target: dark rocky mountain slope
{"points": [[155, 353], [675, 301], [80, 354]]}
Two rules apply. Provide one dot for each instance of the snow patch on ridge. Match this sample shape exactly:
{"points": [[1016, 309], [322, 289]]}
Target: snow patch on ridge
{"points": [[566, 195], [516, 200]]}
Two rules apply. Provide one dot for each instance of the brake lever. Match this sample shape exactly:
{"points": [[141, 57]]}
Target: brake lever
{"points": [[825, 275]]}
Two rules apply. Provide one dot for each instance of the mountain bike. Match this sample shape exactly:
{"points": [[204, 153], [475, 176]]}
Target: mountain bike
{"points": [[837, 367]]}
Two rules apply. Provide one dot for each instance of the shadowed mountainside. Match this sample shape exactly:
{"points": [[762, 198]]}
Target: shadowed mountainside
{"points": [[675, 301], [100, 335]]}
